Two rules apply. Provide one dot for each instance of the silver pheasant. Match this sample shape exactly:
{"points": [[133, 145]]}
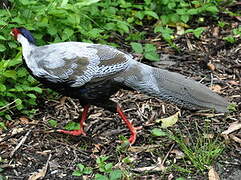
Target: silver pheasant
{"points": [[94, 72]]}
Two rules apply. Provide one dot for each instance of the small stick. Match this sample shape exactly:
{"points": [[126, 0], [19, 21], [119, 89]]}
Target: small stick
{"points": [[20, 143]]}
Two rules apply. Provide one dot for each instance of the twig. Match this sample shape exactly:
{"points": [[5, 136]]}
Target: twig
{"points": [[20, 143], [163, 161], [42, 172]]}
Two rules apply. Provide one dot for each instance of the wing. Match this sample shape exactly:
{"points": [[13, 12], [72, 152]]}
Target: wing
{"points": [[78, 63]]}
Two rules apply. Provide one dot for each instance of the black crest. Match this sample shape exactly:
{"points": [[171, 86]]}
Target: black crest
{"points": [[26, 33]]}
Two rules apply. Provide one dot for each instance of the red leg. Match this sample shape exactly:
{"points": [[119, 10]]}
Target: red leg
{"points": [[132, 129], [82, 120]]}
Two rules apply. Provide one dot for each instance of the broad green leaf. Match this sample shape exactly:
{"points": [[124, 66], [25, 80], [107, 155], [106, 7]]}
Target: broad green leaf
{"points": [[12, 44], [153, 56], [27, 2], [110, 26], [101, 177], [2, 87], [2, 126], [53, 123], [52, 30], [18, 102], [158, 132], [87, 170], [192, 11], [185, 18], [123, 27], [108, 167], [64, 3], [33, 96], [95, 33], [171, 5], [212, 9], [169, 121], [152, 14], [140, 14], [67, 34], [77, 173], [2, 37], [149, 48], [3, 23], [80, 167], [10, 74], [115, 175], [137, 47], [2, 48], [22, 72], [86, 3], [72, 126], [36, 89], [197, 32]]}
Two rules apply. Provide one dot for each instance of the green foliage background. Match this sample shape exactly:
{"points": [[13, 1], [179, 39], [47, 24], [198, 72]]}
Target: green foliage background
{"points": [[107, 22]]}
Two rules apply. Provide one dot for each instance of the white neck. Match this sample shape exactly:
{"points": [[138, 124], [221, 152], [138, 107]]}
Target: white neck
{"points": [[26, 46]]}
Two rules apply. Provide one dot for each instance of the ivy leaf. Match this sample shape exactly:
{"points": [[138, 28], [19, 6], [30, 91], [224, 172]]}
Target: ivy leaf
{"points": [[137, 47]]}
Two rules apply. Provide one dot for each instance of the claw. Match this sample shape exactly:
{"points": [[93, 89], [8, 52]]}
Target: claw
{"points": [[82, 120], [73, 132], [132, 139]]}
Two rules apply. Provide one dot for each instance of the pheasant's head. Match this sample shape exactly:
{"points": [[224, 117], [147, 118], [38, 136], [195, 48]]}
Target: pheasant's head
{"points": [[24, 32]]}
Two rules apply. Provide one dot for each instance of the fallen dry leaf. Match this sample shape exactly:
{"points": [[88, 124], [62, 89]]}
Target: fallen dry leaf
{"points": [[16, 131], [179, 154], [235, 138], [169, 121], [216, 88], [211, 66], [24, 120], [158, 167], [233, 127], [233, 82], [212, 174], [216, 31]]}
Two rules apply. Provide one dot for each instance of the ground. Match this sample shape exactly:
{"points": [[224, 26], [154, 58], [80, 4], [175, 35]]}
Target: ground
{"points": [[30, 145]]}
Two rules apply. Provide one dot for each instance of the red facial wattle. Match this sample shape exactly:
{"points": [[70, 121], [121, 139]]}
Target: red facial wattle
{"points": [[15, 32]]}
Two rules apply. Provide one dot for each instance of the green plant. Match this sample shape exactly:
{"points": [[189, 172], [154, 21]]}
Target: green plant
{"points": [[107, 169], [201, 152], [236, 33], [196, 32], [53, 123], [149, 51], [82, 170], [72, 126], [17, 88]]}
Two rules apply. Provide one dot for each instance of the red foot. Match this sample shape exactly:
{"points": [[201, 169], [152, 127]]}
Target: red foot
{"points": [[132, 129], [82, 120], [73, 132], [132, 139]]}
